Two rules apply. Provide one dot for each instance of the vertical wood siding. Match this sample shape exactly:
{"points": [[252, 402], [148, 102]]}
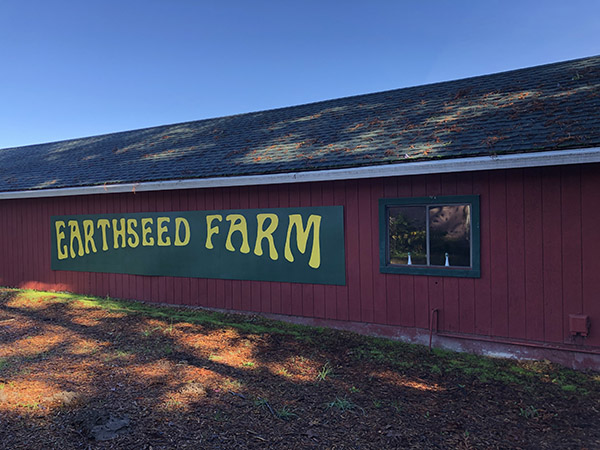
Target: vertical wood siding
{"points": [[540, 253]]}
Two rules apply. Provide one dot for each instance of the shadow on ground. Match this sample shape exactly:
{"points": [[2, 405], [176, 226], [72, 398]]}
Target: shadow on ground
{"points": [[74, 374]]}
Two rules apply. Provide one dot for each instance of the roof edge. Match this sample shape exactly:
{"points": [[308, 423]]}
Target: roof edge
{"points": [[325, 101], [469, 164]]}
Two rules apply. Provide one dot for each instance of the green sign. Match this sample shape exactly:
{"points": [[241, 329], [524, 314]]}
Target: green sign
{"points": [[304, 245]]}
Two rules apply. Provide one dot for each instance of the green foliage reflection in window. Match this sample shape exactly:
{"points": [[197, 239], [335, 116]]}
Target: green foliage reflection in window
{"points": [[430, 235], [407, 235]]}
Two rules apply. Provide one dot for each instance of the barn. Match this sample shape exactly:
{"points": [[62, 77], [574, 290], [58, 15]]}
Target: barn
{"points": [[462, 214]]}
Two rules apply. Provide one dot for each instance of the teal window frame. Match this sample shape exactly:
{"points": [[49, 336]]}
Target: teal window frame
{"points": [[465, 272]]}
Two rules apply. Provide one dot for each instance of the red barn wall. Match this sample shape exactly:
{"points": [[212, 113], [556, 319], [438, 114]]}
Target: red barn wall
{"points": [[540, 254]]}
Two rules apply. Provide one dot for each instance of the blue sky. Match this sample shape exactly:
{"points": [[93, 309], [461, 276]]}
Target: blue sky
{"points": [[80, 68]]}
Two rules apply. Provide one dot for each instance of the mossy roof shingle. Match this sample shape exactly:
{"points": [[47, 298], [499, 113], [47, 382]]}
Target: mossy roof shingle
{"points": [[550, 107]]}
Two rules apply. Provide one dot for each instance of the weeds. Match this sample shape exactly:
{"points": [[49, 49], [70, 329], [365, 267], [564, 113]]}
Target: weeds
{"points": [[529, 412], [173, 403], [285, 414], [341, 404], [150, 332], [29, 405], [232, 385], [436, 369], [326, 371], [260, 402], [169, 329], [283, 371], [397, 406], [219, 416]]}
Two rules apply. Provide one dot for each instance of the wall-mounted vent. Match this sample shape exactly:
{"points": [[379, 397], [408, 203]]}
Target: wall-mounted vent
{"points": [[579, 324]]}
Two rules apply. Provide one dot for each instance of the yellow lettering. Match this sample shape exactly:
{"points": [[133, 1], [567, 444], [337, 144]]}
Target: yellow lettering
{"points": [[103, 224], [210, 230], [88, 233], [133, 240], [266, 234], [237, 222], [118, 233], [147, 241], [162, 229], [314, 223], [75, 234], [178, 222], [60, 235]]}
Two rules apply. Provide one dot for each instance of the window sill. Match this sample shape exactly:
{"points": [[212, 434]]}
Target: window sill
{"points": [[432, 271]]}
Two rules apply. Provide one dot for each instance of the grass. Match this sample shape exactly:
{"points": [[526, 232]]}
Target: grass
{"points": [[283, 371], [286, 414], [341, 404], [260, 402], [529, 412], [324, 372], [232, 385], [219, 416], [397, 406], [182, 314], [29, 405]]}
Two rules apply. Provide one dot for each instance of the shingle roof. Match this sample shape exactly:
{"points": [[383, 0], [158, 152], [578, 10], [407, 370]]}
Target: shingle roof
{"points": [[550, 107]]}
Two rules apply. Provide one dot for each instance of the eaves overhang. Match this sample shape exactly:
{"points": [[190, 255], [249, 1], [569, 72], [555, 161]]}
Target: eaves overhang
{"points": [[470, 164]]}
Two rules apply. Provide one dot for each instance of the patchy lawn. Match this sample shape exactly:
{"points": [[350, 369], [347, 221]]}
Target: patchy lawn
{"points": [[78, 372]]}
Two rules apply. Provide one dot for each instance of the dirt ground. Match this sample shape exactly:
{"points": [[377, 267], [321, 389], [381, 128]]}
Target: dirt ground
{"points": [[93, 374]]}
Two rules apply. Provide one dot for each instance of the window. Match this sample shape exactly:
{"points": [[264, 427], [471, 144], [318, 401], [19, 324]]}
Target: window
{"points": [[430, 236]]}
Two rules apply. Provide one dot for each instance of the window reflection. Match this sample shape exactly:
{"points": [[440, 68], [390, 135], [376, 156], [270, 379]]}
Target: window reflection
{"points": [[407, 232], [448, 232], [449, 235]]}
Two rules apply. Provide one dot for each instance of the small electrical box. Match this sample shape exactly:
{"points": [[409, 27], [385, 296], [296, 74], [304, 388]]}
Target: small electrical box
{"points": [[579, 324]]}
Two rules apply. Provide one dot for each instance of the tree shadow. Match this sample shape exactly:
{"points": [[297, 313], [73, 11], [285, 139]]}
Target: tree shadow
{"points": [[135, 375], [210, 386], [541, 108]]}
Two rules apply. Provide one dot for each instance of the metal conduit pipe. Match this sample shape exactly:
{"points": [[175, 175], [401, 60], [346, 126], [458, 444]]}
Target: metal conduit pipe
{"points": [[511, 342], [434, 311]]}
